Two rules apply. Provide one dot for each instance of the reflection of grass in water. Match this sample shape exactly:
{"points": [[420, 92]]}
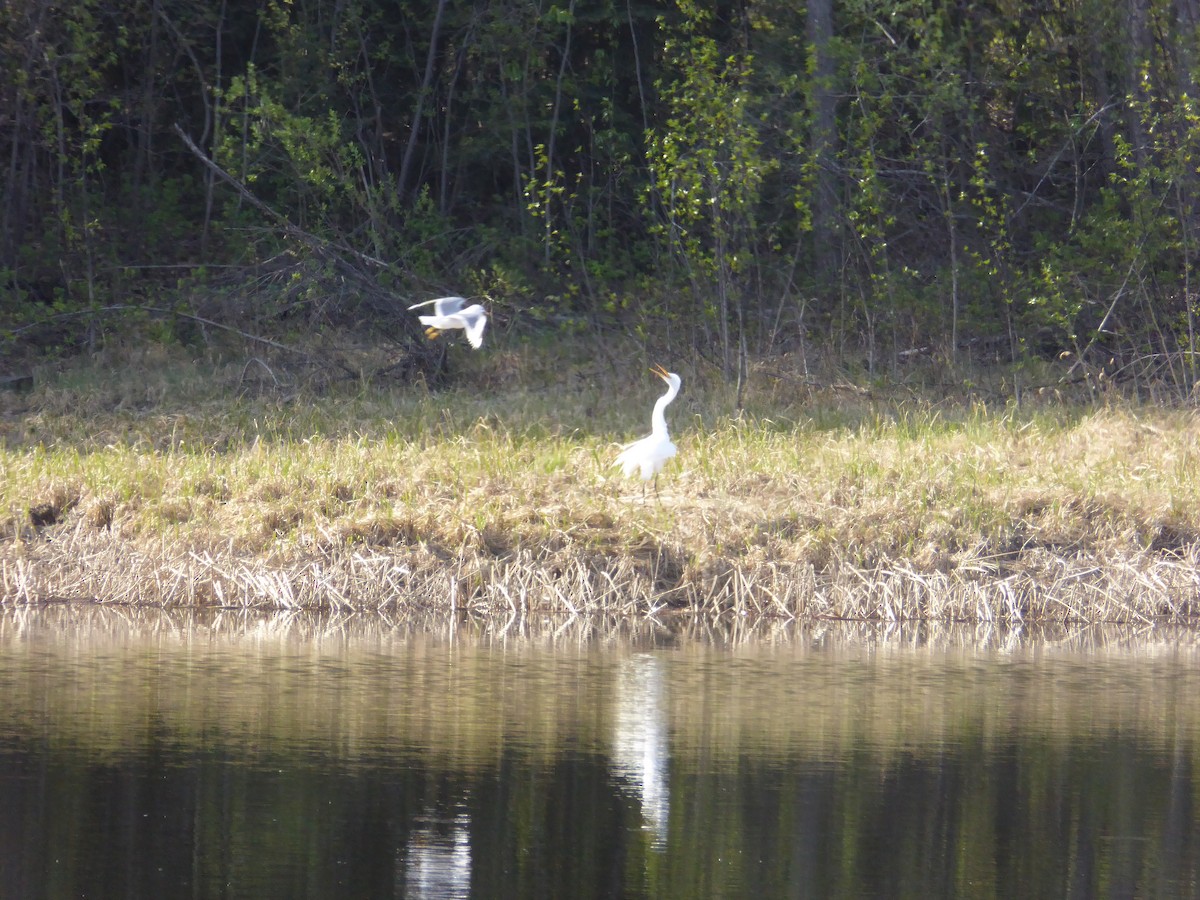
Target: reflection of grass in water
{"points": [[813, 502], [357, 688]]}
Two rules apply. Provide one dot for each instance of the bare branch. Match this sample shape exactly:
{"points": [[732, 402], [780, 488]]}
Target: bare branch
{"points": [[319, 245]]}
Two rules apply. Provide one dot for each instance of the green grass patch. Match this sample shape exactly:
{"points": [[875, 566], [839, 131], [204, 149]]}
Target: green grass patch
{"points": [[162, 454]]}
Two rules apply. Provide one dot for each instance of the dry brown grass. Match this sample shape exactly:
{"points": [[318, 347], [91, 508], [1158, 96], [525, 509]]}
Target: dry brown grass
{"points": [[162, 481]]}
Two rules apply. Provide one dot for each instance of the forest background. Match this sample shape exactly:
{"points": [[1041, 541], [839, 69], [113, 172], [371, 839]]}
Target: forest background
{"points": [[869, 179]]}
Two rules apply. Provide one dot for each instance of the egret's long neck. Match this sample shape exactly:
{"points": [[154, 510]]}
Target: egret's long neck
{"points": [[658, 419]]}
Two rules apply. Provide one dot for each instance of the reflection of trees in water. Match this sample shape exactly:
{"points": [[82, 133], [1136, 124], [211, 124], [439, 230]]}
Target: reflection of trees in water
{"points": [[869, 761], [640, 744], [437, 858]]}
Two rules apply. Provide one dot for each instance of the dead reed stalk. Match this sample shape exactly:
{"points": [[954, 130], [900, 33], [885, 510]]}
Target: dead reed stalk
{"points": [[89, 565]]}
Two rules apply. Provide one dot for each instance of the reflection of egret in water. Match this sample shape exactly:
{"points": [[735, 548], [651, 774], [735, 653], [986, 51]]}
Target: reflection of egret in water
{"points": [[437, 859], [640, 746]]}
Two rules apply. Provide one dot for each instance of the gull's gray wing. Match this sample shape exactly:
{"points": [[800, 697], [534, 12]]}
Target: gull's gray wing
{"points": [[443, 306]]}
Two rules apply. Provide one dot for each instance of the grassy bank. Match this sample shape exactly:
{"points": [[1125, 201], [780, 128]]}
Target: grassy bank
{"points": [[147, 477]]}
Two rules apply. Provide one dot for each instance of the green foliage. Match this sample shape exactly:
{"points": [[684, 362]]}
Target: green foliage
{"points": [[991, 169], [301, 161], [57, 75], [1142, 225], [706, 166]]}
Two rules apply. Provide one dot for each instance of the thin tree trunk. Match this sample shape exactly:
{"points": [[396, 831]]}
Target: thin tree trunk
{"points": [[444, 200], [637, 67], [823, 142], [1187, 18], [414, 132], [514, 141], [144, 135], [212, 108], [1138, 57], [551, 138], [1099, 74], [952, 238], [212, 119]]}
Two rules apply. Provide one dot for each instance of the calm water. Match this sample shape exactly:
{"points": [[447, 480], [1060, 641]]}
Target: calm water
{"points": [[218, 755]]}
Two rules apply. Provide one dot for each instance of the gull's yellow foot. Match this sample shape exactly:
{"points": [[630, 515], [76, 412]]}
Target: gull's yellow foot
{"points": [[431, 332]]}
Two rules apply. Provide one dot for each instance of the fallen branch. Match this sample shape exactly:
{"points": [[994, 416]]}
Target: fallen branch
{"points": [[319, 245], [130, 307]]}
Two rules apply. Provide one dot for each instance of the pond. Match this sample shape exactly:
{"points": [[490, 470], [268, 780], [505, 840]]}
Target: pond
{"points": [[146, 753]]}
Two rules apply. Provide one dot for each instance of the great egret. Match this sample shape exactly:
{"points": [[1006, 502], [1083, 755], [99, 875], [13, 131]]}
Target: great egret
{"points": [[650, 453], [452, 312]]}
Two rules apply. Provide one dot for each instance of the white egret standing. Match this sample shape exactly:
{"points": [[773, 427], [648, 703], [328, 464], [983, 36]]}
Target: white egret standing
{"points": [[652, 452], [453, 312]]}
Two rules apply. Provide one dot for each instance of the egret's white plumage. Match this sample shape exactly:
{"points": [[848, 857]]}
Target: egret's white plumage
{"points": [[650, 454], [453, 312]]}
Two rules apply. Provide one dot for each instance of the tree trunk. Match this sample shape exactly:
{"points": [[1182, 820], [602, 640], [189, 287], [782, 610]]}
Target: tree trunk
{"points": [[823, 139], [551, 138], [1138, 59], [1187, 18], [414, 132]]}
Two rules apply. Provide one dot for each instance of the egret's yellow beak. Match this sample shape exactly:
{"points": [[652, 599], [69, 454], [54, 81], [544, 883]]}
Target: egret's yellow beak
{"points": [[659, 371]]}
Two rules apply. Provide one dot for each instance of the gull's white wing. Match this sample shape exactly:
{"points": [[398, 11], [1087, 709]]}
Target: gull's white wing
{"points": [[474, 319], [443, 306]]}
